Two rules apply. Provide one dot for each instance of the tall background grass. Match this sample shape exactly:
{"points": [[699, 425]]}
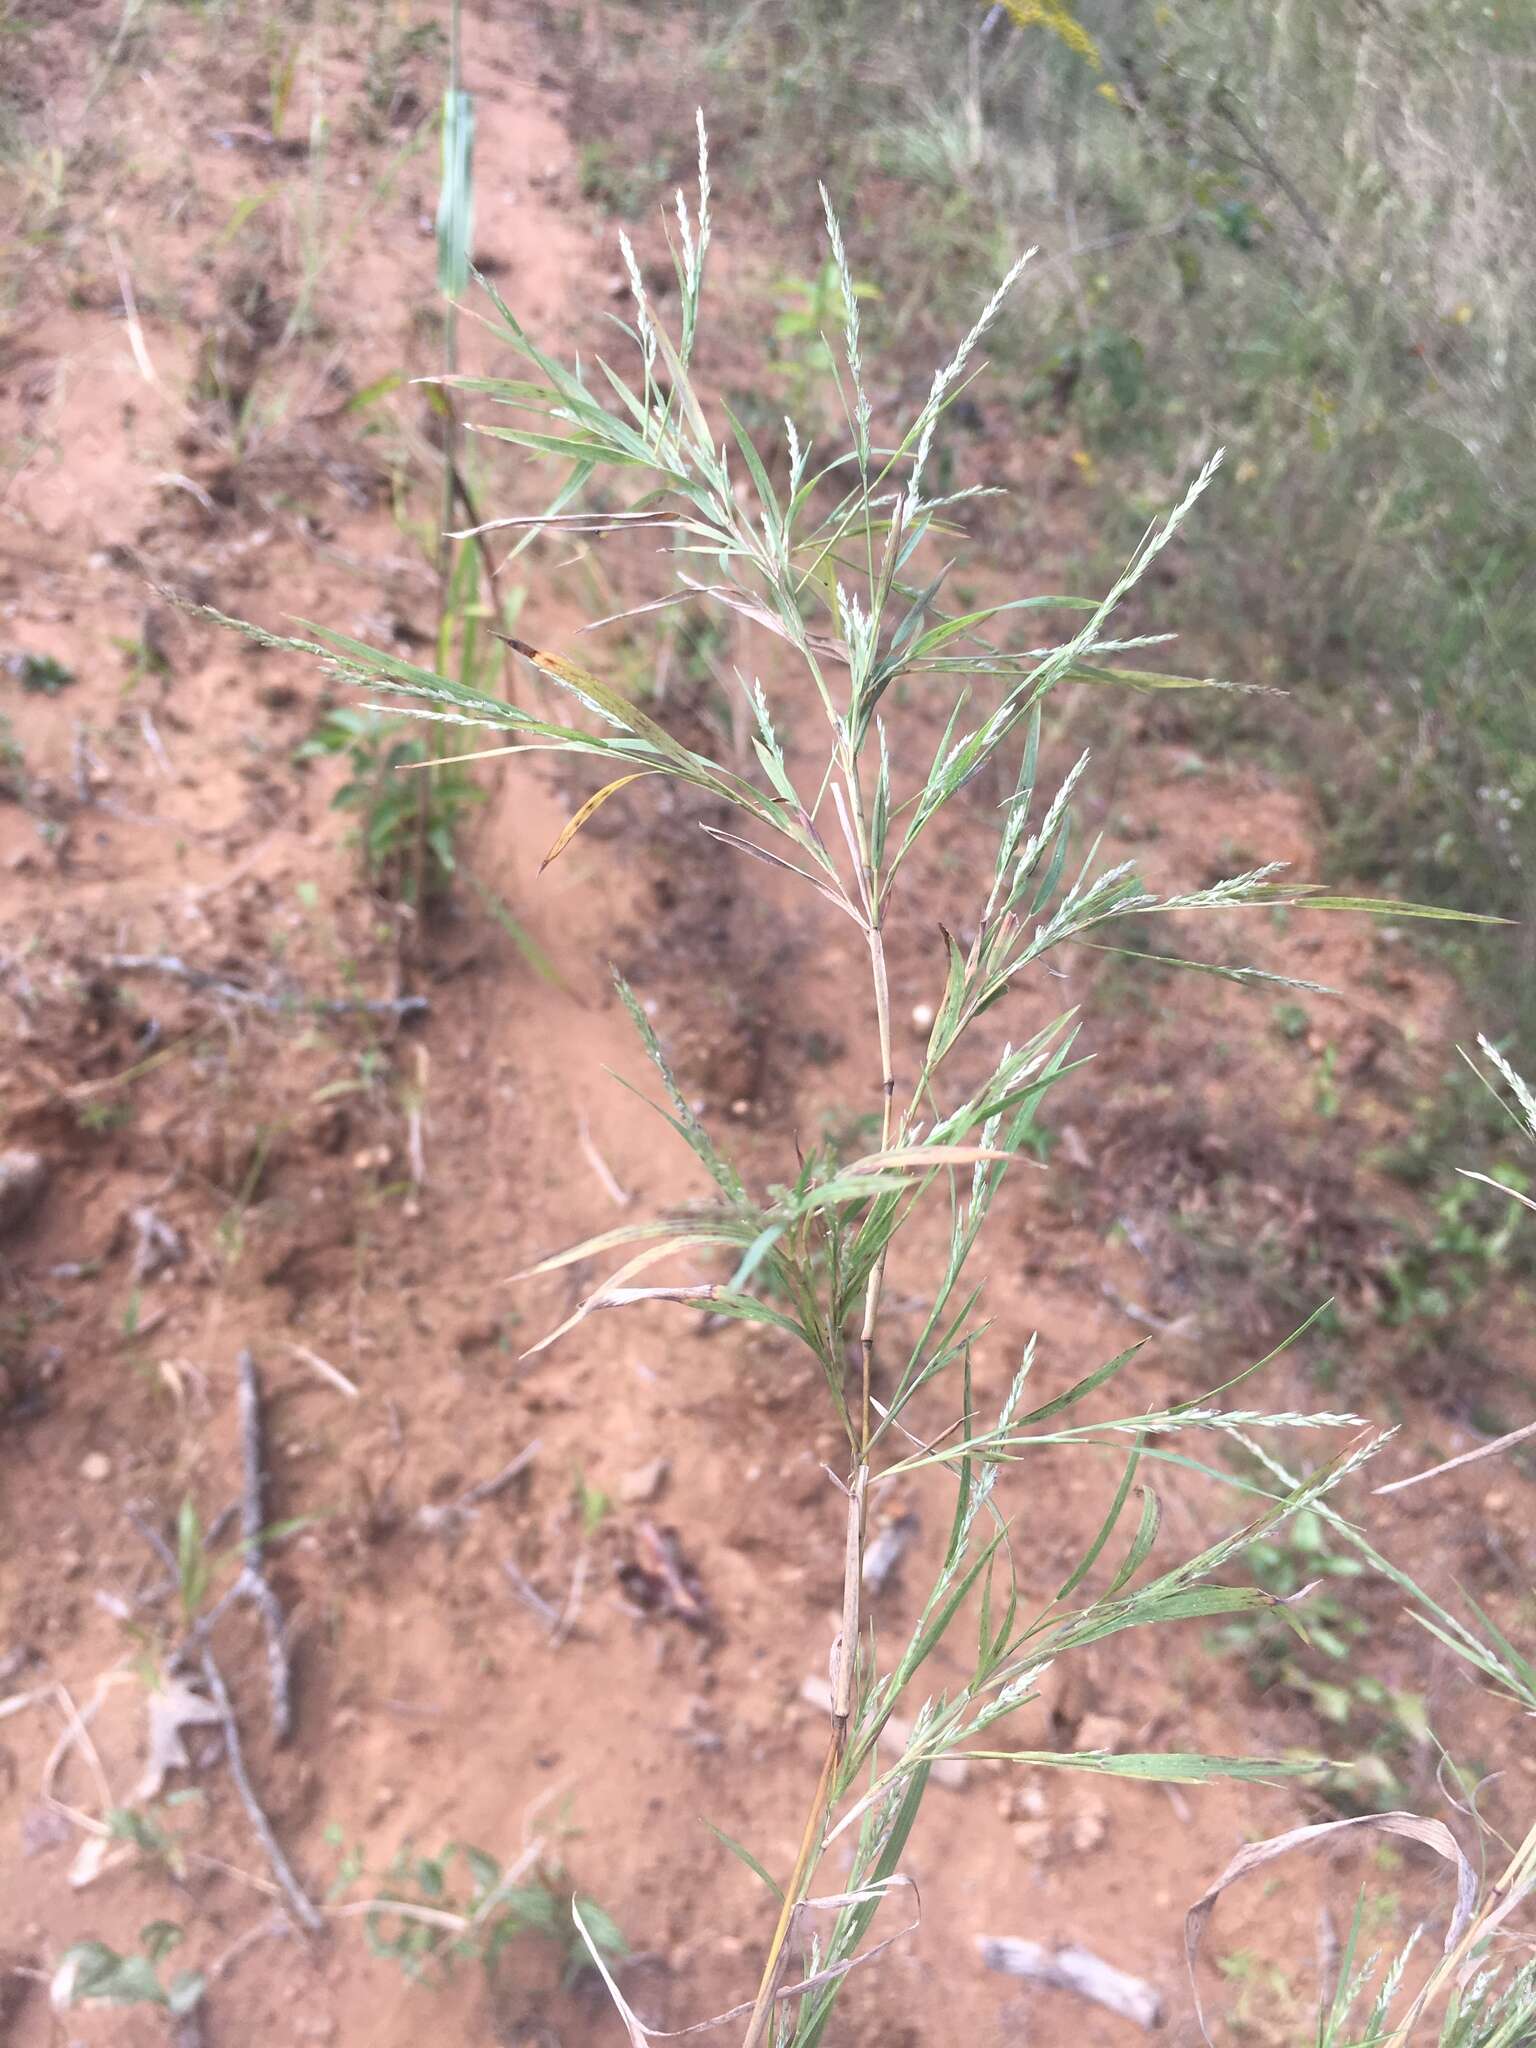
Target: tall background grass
{"points": [[1302, 230]]}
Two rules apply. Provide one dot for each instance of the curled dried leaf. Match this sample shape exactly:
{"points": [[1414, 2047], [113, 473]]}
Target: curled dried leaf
{"points": [[578, 818], [1432, 1834]]}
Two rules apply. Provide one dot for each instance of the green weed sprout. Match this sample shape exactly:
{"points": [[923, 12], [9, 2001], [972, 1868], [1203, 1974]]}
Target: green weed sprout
{"points": [[810, 309], [844, 562], [91, 1973], [400, 816]]}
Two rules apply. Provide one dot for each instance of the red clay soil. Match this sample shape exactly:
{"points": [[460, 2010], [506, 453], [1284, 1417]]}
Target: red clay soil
{"points": [[349, 1194]]}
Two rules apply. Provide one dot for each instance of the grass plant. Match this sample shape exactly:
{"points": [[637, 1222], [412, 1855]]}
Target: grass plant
{"points": [[842, 563]]}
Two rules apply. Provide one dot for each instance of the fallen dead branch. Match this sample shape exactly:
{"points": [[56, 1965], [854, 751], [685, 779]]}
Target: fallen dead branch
{"points": [[530, 1596], [208, 983], [303, 1908], [487, 1489], [253, 1584], [299, 1902], [1070, 1968]]}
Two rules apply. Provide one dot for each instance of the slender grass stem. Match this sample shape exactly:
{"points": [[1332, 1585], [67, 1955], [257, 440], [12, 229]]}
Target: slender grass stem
{"points": [[846, 1654], [805, 1863], [887, 1094]]}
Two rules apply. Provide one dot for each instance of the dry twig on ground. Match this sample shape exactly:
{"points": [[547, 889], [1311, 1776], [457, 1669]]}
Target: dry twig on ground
{"points": [[208, 983], [254, 1584]]}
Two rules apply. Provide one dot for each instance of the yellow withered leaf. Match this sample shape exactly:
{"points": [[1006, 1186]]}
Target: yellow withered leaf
{"points": [[598, 693], [577, 819]]}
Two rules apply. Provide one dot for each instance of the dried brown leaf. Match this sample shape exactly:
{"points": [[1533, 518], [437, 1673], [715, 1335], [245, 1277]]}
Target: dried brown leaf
{"points": [[171, 1708], [1432, 1834], [578, 818]]}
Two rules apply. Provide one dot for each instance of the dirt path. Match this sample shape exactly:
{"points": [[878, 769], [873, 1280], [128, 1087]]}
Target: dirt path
{"points": [[357, 1192]]}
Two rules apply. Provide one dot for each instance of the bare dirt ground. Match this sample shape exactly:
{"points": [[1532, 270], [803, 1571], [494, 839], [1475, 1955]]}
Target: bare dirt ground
{"points": [[201, 294]]}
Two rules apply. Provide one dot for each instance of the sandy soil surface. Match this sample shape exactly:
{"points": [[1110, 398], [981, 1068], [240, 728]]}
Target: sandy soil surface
{"points": [[199, 306]]}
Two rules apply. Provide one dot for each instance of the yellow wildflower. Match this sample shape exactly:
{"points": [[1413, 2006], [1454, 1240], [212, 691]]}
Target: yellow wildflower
{"points": [[1052, 15]]}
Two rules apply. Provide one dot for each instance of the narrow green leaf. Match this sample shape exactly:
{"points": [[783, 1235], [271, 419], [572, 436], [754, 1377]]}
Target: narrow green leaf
{"points": [[1083, 1387], [455, 206], [370, 394], [520, 936], [1047, 888], [743, 1855], [1091, 1556], [754, 462], [1195, 1603], [1386, 906], [1146, 1536], [572, 448], [1143, 679], [947, 1021], [1172, 1767], [698, 1139]]}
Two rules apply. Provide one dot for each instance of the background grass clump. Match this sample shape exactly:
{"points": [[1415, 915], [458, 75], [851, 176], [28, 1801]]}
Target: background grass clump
{"points": [[1302, 231]]}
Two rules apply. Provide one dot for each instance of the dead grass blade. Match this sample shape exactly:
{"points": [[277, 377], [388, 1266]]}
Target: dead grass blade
{"points": [[638, 2036], [1500, 1443], [919, 1158], [776, 860], [594, 803], [615, 1292], [1432, 1834], [1502, 1187]]}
